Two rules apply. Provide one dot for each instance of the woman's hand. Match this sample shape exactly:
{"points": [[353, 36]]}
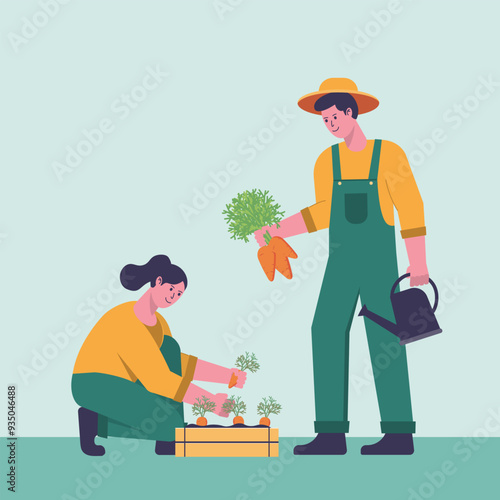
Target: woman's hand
{"points": [[242, 377], [194, 393], [210, 372], [220, 399]]}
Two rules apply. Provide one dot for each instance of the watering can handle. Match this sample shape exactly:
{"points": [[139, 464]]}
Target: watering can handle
{"points": [[407, 275]]}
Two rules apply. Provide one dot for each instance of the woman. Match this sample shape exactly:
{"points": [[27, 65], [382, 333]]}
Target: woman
{"points": [[130, 377]]}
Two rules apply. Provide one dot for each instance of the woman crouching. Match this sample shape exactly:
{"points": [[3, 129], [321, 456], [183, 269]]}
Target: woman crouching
{"points": [[130, 372]]}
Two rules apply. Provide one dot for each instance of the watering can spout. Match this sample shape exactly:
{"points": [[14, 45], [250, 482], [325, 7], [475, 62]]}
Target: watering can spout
{"points": [[384, 323], [413, 313]]}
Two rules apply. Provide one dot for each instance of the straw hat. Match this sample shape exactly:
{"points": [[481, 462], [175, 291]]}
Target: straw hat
{"points": [[365, 102]]}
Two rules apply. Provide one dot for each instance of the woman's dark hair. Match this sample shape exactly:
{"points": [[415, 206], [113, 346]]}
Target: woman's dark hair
{"points": [[339, 99], [134, 277]]}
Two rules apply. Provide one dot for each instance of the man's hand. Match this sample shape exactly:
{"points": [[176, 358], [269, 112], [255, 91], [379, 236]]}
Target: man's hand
{"points": [[418, 275], [220, 399], [290, 226], [259, 234]]}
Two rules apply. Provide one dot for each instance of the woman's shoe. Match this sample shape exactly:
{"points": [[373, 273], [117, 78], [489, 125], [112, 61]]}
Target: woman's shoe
{"points": [[165, 448], [87, 422]]}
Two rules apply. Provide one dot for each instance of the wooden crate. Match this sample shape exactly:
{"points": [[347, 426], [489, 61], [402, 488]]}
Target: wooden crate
{"points": [[226, 442]]}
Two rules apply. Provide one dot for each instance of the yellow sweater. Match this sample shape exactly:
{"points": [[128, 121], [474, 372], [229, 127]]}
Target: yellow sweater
{"points": [[396, 187], [120, 345]]}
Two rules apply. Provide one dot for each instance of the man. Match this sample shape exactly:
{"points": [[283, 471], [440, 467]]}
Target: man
{"points": [[357, 184]]}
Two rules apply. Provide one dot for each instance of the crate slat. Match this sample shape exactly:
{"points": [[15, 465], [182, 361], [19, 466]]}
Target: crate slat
{"points": [[226, 442]]}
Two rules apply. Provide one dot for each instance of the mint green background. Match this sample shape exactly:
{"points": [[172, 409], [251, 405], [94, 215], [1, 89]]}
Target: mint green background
{"points": [[63, 241]]}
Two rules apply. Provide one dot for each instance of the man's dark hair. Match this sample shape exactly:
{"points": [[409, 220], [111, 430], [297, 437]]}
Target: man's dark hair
{"points": [[339, 99]]}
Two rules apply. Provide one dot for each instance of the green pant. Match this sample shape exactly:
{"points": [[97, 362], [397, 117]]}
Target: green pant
{"points": [[127, 409], [362, 262]]}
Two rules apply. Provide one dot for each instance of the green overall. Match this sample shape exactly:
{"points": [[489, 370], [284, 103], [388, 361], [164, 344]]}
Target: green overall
{"points": [[127, 409], [362, 262]]}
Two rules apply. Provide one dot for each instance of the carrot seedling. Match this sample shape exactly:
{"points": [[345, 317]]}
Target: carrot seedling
{"points": [[248, 362], [236, 406], [201, 408], [244, 362], [267, 407]]}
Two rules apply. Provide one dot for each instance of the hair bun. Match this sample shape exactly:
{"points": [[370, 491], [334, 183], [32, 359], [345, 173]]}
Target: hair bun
{"points": [[133, 277]]}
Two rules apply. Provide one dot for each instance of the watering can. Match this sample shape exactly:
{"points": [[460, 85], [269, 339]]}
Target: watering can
{"points": [[415, 319]]}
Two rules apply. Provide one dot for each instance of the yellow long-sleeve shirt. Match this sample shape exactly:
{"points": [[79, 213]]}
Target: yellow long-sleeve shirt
{"points": [[121, 345], [396, 187]]}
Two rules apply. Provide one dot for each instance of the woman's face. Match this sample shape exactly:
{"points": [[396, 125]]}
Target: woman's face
{"points": [[166, 294]]}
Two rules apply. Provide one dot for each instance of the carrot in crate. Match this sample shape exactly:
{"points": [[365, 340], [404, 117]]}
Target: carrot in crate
{"points": [[265, 408], [236, 406], [201, 408]]}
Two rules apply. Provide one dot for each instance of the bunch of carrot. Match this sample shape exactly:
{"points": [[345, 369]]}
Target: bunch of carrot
{"points": [[275, 256], [249, 212]]}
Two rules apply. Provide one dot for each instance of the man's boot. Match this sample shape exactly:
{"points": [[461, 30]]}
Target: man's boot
{"points": [[325, 443], [391, 444]]}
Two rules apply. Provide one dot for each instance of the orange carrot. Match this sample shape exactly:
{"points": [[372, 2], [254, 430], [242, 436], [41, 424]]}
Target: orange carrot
{"points": [[267, 260], [201, 421], [283, 252], [265, 421], [283, 266], [233, 381], [279, 245], [238, 420]]}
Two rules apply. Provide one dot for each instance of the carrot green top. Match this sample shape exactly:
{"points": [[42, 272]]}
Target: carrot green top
{"points": [[396, 187], [121, 345]]}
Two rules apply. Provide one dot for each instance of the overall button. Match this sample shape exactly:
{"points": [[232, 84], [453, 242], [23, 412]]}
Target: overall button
{"points": [[340, 184], [371, 183]]}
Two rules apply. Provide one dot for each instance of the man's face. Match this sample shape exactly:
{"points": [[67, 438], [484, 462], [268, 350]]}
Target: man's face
{"points": [[339, 123]]}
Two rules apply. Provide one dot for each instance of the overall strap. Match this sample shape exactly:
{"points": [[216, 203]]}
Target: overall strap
{"points": [[375, 160], [336, 162]]}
